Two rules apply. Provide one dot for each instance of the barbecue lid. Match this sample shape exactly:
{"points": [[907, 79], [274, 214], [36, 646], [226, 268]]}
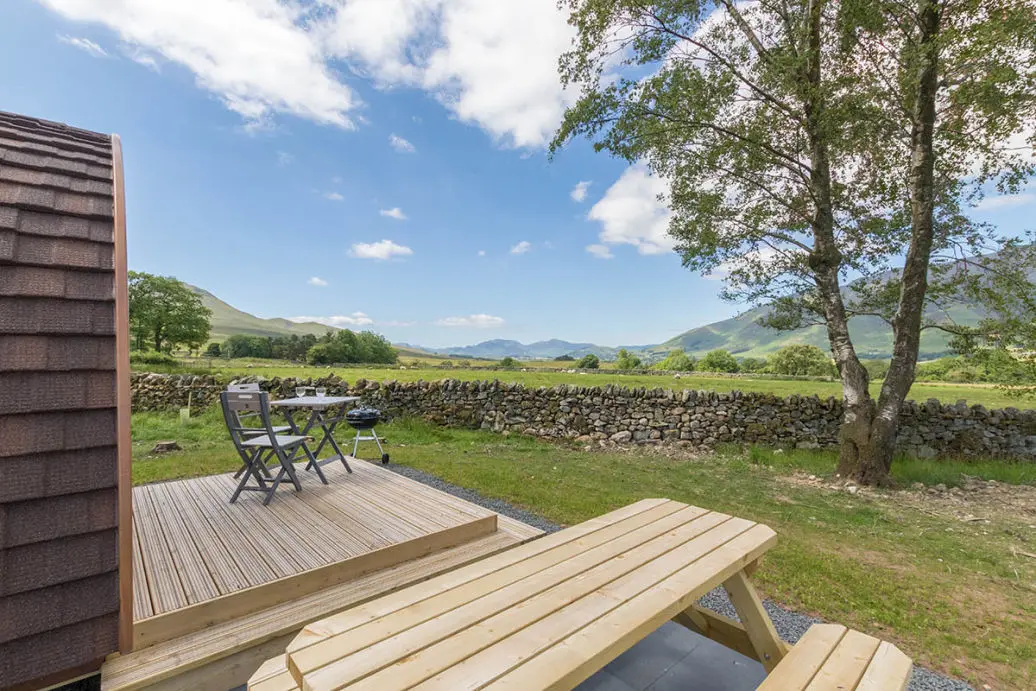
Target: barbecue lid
{"points": [[364, 413]]}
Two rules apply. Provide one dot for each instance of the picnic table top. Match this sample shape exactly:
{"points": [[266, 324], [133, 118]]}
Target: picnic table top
{"points": [[546, 614], [313, 401]]}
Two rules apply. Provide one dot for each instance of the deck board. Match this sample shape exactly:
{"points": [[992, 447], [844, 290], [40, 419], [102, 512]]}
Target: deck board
{"points": [[194, 547]]}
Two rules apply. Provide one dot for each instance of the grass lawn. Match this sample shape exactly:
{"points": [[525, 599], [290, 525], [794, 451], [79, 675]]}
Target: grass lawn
{"points": [[957, 595], [990, 396]]}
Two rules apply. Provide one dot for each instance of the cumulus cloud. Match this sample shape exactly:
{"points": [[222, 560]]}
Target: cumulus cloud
{"points": [[84, 44], [401, 145], [333, 196], [354, 319], [1005, 201], [317, 281], [630, 212], [385, 249], [395, 212], [600, 251], [522, 247], [492, 64], [472, 321], [481, 253], [580, 190], [258, 56]]}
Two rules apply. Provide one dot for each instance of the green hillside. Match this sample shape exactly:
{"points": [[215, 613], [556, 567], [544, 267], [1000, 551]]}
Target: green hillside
{"points": [[228, 320], [745, 337]]}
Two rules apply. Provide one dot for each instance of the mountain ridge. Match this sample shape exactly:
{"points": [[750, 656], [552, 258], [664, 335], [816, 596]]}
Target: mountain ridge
{"points": [[742, 335]]}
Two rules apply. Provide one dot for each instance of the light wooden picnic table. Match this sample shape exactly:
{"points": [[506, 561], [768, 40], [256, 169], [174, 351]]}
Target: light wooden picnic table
{"points": [[547, 614]]}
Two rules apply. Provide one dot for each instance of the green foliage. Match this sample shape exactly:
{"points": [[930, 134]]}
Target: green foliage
{"points": [[626, 360], [214, 349], [508, 363], [165, 314], [993, 365], [802, 360], [153, 357], [876, 369], [752, 364], [718, 361], [589, 361], [564, 358], [346, 346], [677, 361]]}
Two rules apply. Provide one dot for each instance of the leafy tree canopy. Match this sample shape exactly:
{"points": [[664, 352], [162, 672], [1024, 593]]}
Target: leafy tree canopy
{"points": [[677, 361], [165, 314], [801, 360], [589, 361], [626, 360], [508, 363], [718, 361]]}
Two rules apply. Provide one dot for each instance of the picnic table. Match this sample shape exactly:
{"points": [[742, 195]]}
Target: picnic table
{"points": [[547, 614], [318, 407]]}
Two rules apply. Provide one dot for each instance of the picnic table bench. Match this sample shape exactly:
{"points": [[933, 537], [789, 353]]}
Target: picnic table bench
{"points": [[547, 614]]}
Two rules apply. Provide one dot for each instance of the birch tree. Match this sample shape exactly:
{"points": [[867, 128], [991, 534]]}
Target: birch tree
{"points": [[823, 155]]}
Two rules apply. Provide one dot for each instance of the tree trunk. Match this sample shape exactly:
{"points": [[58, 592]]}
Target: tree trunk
{"points": [[877, 436], [825, 261], [158, 339]]}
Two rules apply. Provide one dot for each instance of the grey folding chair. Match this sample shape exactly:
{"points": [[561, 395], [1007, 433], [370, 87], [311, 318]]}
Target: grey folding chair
{"points": [[255, 450], [249, 430]]}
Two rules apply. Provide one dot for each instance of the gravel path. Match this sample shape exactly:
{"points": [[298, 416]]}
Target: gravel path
{"points": [[790, 625]]}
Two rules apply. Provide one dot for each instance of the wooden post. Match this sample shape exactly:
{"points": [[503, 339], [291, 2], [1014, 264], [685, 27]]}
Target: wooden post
{"points": [[122, 398], [769, 647]]}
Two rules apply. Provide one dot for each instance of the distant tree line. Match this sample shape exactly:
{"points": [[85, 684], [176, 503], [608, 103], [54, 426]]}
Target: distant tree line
{"points": [[334, 347]]}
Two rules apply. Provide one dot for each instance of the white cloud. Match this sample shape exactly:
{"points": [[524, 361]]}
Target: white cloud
{"points": [[333, 196], [492, 64], [631, 213], [84, 44], [401, 145], [385, 249], [522, 247], [600, 251], [580, 190], [284, 158], [1005, 201], [481, 253], [473, 321], [354, 319], [496, 65], [397, 323], [317, 281], [141, 57], [395, 212], [258, 56]]}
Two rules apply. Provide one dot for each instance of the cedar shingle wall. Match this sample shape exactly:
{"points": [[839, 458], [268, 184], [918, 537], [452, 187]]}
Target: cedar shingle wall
{"points": [[58, 463]]}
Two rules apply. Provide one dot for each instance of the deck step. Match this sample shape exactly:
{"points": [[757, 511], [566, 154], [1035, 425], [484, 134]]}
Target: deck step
{"points": [[226, 655]]}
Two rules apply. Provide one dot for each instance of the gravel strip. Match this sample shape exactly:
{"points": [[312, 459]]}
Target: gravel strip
{"points": [[790, 625]]}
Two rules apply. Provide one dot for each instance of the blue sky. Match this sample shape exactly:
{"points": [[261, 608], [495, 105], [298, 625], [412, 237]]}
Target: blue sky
{"points": [[380, 166]]}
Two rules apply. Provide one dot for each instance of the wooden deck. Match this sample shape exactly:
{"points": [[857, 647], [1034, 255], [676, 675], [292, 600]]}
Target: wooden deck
{"points": [[220, 587], [199, 560]]}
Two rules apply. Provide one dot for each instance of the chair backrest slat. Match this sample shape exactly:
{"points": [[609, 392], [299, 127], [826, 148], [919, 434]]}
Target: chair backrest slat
{"points": [[252, 386], [249, 402]]}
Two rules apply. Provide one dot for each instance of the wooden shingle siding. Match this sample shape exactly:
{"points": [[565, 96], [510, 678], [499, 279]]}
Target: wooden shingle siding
{"points": [[59, 571]]}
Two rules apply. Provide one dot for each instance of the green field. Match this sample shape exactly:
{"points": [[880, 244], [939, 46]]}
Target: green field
{"points": [[991, 396], [957, 595]]}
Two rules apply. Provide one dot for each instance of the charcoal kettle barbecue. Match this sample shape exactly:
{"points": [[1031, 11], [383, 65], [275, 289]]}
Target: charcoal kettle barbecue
{"points": [[363, 419]]}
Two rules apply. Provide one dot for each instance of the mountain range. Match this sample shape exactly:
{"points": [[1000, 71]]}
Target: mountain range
{"points": [[741, 335]]}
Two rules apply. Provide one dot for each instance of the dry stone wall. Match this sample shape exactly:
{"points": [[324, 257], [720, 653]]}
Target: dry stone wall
{"points": [[644, 416]]}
